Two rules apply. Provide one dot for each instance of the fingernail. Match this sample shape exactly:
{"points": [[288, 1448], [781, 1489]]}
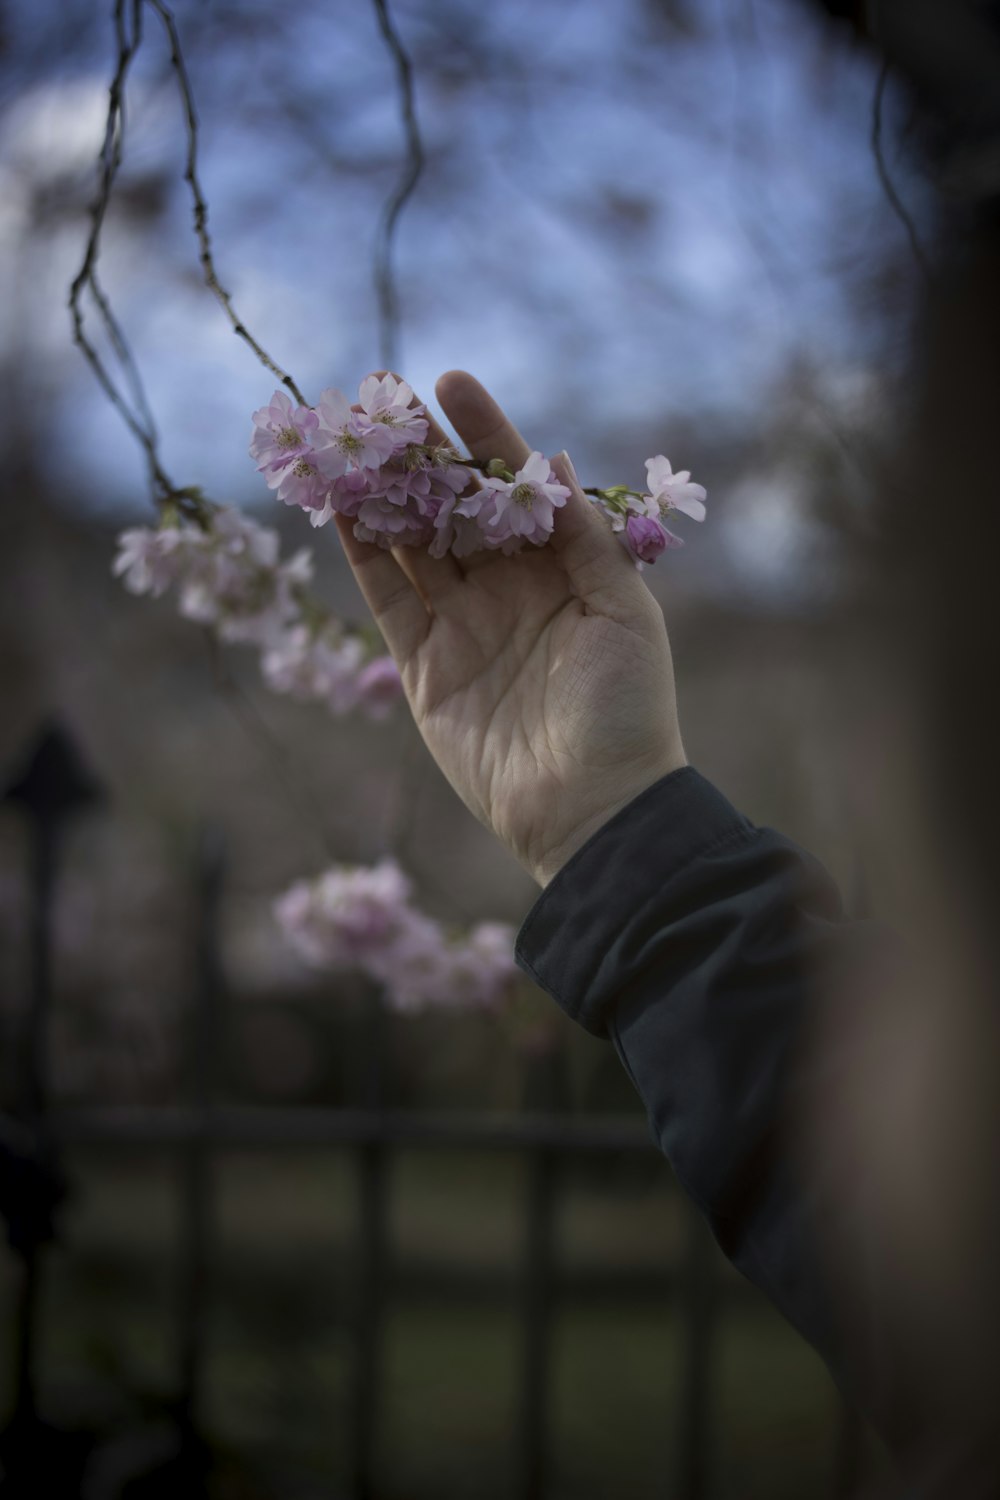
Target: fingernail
{"points": [[568, 468]]}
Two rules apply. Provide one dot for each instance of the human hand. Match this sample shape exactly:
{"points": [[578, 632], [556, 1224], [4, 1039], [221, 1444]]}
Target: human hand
{"points": [[541, 682]]}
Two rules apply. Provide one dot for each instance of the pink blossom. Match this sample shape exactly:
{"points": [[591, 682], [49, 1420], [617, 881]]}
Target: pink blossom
{"points": [[348, 916], [456, 532], [439, 487], [447, 480], [363, 906], [149, 561], [646, 538], [352, 916], [315, 665], [389, 402], [403, 524], [481, 967], [399, 485], [492, 523], [445, 530], [294, 911], [344, 495], [379, 687], [453, 512], [524, 507], [347, 492], [670, 491], [413, 966], [230, 576], [384, 539], [301, 483], [282, 433], [344, 437], [472, 523], [235, 581], [238, 535]]}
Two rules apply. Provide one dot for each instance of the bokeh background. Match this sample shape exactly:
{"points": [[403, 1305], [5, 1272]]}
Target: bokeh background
{"points": [[653, 226]]}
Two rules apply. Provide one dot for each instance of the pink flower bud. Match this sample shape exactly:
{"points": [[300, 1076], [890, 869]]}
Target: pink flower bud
{"points": [[646, 538]]}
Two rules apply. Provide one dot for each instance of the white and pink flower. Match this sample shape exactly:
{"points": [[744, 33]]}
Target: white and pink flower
{"points": [[525, 507], [344, 437], [282, 433], [390, 403], [670, 491]]}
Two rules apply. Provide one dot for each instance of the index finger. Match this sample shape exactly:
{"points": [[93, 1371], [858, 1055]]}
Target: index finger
{"points": [[479, 421], [596, 564]]}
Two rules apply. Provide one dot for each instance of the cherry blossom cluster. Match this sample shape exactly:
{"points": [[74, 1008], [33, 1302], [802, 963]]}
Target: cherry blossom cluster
{"points": [[229, 575], [357, 917], [372, 462], [639, 519]]}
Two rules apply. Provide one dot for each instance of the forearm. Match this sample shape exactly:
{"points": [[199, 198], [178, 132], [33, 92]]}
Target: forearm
{"points": [[699, 944]]}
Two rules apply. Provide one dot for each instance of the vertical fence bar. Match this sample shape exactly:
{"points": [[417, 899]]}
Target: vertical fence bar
{"points": [[52, 786], [848, 1453], [35, 1089], [536, 1308], [373, 1181], [697, 1301], [848, 1459], [196, 1174]]}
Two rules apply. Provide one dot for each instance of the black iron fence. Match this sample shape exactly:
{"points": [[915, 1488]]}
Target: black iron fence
{"points": [[50, 790]]}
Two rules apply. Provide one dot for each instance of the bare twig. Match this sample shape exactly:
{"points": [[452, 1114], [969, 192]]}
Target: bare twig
{"points": [[136, 413], [128, 396], [200, 206], [385, 281], [888, 185]]}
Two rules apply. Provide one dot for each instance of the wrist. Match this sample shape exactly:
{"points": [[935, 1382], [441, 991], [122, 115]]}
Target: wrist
{"points": [[546, 867]]}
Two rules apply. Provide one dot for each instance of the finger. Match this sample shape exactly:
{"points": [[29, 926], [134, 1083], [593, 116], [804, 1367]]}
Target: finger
{"points": [[597, 565], [486, 431], [399, 611], [479, 421], [434, 577]]}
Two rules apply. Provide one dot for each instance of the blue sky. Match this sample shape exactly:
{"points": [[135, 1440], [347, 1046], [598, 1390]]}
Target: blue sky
{"points": [[631, 229]]}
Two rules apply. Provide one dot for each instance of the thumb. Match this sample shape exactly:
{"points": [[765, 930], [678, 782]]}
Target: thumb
{"points": [[598, 566]]}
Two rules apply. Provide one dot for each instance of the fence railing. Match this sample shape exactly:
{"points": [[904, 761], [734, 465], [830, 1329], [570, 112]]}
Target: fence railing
{"points": [[50, 790]]}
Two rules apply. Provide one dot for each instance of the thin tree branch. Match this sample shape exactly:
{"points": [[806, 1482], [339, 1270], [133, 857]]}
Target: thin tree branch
{"points": [[200, 206], [386, 289], [137, 414], [888, 186], [131, 401]]}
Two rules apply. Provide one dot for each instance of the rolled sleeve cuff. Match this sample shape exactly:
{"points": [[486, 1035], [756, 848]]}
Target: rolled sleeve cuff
{"points": [[593, 918]]}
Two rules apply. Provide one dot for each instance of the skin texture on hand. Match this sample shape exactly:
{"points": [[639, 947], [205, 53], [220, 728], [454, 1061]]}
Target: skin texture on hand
{"points": [[541, 682]]}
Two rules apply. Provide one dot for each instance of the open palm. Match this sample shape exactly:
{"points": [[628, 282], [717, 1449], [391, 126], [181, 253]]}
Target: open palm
{"points": [[541, 682]]}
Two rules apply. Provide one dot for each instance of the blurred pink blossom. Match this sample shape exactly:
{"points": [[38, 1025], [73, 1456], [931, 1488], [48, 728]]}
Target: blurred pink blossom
{"points": [[358, 917], [379, 687]]}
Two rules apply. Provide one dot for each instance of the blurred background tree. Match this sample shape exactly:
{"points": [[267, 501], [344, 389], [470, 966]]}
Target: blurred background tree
{"points": [[654, 226]]}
